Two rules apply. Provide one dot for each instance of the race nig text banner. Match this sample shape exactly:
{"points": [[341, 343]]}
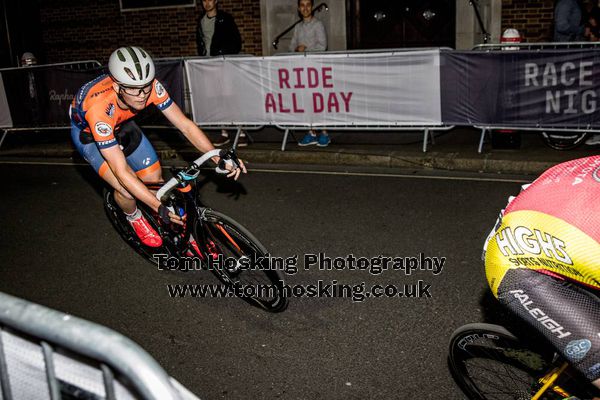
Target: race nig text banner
{"points": [[545, 88]]}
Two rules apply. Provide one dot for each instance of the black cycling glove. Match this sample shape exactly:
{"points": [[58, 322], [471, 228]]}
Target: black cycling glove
{"points": [[163, 213]]}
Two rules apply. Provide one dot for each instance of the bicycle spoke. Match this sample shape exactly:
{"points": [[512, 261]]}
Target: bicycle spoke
{"points": [[489, 363]]}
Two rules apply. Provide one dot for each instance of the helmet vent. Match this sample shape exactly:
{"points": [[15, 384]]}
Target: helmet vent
{"points": [[147, 69], [120, 55], [130, 73]]}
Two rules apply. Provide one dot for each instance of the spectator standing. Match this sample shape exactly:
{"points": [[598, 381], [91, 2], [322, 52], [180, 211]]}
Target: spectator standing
{"points": [[33, 99], [217, 34], [310, 35], [568, 25], [592, 21]]}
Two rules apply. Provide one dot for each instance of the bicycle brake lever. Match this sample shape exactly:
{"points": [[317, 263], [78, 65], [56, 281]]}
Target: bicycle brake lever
{"points": [[228, 156]]}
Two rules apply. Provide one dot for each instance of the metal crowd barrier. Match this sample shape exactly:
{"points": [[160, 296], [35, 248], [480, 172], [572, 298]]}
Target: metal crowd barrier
{"points": [[46, 354], [427, 130], [487, 129], [75, 66]]}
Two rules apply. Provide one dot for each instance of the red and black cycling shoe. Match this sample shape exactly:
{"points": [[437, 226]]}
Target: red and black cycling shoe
{"points": [[146, 232]]}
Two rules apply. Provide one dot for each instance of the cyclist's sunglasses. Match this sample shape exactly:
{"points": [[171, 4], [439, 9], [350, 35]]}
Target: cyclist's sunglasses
{"points": [[136, 91]]}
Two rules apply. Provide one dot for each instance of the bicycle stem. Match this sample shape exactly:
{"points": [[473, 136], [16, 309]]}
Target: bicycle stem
{"points": [[173, 182]]}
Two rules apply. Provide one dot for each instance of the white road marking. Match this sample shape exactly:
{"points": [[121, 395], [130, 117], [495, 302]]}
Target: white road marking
{"points": [[308, 172]]}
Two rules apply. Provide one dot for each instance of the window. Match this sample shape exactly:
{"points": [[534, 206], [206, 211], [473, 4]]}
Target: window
{"points": [[134, 5]]}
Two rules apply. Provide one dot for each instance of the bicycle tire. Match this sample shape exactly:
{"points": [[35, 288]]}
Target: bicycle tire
{"points": [[564, 140], [119, 222], [490, 363], [220, 234]]}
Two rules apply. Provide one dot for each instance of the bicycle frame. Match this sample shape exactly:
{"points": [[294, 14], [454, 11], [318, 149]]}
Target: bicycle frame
{"points": [[549, 379], [182, 181]]}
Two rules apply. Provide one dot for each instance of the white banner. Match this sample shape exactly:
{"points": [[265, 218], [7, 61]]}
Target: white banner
{"points": [[361, 89], [5, 119]]}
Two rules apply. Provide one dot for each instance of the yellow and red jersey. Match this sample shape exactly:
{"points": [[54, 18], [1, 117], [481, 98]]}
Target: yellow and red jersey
{"points": [[95, 109], [552, 226]]}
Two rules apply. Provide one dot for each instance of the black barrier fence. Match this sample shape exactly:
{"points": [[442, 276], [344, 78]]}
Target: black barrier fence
{"points": [[171, 74], [529, 89], [40, 96]]}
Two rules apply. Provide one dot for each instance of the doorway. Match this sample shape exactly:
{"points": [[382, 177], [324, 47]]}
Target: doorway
{"points": [[378, 24]]}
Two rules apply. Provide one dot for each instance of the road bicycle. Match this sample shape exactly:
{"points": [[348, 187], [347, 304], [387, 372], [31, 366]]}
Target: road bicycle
{"points": [[488, 362], [219, 238]]}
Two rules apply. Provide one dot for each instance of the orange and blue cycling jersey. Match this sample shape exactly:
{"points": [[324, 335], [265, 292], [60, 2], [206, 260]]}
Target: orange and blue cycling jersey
{"points": [[553, 226], [97, 119]]}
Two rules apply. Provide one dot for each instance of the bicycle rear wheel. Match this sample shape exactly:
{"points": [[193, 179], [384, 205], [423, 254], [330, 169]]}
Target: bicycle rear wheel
{"points": [[564, 140], [217, 234], [488, 362]]}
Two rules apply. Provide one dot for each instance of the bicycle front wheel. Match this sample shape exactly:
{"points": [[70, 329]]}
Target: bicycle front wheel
{"points": [[221, 236], [488, 362]]}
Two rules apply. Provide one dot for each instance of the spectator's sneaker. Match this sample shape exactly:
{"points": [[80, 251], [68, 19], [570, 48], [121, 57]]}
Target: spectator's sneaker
{"points": [[308, 139], [223, 140], [323, 140], [593, 140], [146, 232]]}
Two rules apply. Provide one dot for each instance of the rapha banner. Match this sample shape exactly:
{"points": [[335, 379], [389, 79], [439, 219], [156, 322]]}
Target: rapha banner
{"points": [[398, 89], [40, 96], [547, 88]]}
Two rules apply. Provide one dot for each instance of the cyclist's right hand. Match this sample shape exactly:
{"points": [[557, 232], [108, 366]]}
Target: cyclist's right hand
{"points": [[230, 164], [167, 216]]}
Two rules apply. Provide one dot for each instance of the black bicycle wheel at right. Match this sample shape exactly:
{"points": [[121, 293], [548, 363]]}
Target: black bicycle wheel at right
{"points": [[489, 363], [220, 235], [564, 140]]}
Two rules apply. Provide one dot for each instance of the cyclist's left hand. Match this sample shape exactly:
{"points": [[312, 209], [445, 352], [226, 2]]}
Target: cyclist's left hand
{"points": [[234, 170], [169, 217]]}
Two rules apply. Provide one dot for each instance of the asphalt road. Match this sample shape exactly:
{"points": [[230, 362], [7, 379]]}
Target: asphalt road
{"points": [[58, 249]]}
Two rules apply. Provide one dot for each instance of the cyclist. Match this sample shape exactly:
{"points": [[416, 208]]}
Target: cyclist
{"points": [[542, 260], [106, 136]]}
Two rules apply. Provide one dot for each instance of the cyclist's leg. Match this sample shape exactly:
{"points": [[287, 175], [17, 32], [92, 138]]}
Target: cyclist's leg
{"points": [[566, 314], [140, 153], [86, 146]]}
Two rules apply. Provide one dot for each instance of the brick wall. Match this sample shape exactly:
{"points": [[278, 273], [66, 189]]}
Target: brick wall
{"points": [[79, 30], [533, 19]]}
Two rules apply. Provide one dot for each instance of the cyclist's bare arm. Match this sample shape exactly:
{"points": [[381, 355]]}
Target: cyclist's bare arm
{"points": [[195, 135]]}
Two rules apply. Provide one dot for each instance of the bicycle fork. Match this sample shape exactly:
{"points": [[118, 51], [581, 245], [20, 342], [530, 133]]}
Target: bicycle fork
{"points": [[548, 380]]}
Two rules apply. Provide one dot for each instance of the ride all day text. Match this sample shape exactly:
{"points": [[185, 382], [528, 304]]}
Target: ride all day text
{"points": [[323, 99]]}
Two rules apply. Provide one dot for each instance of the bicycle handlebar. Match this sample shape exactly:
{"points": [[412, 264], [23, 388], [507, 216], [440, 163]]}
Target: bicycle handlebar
{"points": [[226, 156]]}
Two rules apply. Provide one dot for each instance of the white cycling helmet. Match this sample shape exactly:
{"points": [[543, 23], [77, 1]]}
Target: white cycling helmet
{"points": [[131, 66]]}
